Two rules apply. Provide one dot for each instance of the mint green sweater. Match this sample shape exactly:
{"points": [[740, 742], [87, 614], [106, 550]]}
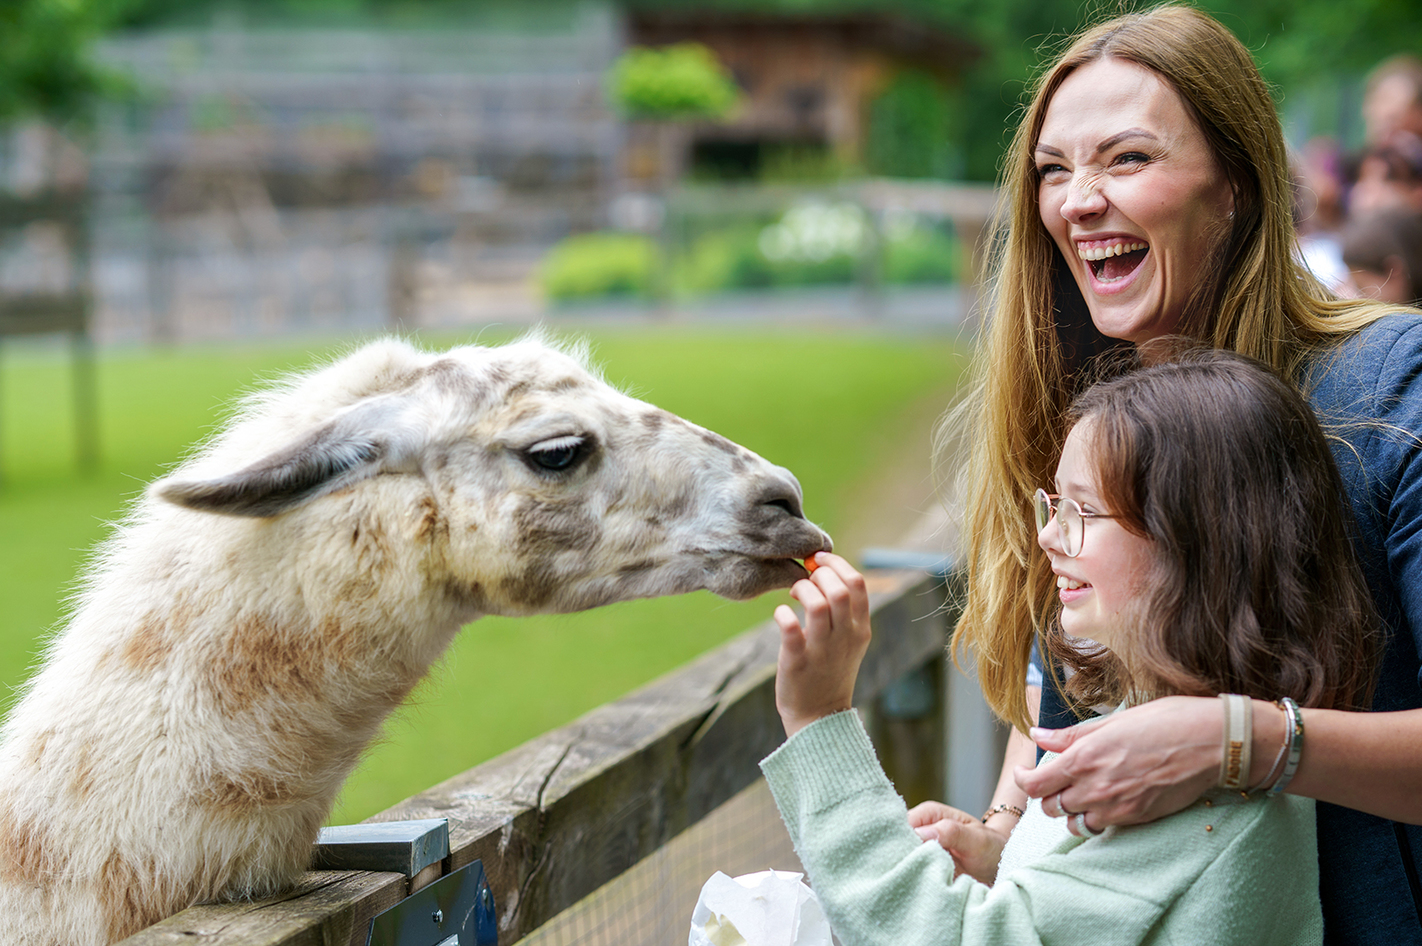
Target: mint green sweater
{"points": [[1225, 871]]}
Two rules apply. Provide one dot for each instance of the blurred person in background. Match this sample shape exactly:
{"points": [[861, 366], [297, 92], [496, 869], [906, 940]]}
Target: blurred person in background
{"points": [[1389, 177], [1320, 187], [1383, 253], [1392, 101]]}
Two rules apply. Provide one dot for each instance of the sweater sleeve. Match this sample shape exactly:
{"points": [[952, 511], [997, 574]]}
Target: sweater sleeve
{"points": [[879, 884]]}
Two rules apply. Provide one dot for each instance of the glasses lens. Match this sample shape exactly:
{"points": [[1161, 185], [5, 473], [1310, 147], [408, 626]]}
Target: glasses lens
{"points": [[1043, 505], [1069, 518]]}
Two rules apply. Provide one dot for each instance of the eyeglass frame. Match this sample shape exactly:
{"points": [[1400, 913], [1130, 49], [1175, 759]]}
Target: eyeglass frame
{"points": [[1053, 503]]}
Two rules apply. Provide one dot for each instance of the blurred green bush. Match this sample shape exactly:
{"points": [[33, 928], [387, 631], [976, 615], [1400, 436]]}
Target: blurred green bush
{"points": [[675, 83], [814, 243], [598, 265]]}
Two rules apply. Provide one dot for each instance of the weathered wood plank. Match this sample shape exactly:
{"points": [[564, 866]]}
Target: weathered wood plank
{"points": [[556, 818], [326, 908]]}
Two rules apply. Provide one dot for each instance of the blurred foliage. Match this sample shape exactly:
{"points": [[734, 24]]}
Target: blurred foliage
{"points": [[802, 164], [555, 14], [597, 265], [815, 243], [46, 64], [674, 83], [911, 129]]}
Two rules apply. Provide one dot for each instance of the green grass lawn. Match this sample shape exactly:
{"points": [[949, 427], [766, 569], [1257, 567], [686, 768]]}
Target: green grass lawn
{"points": [[826, 405]]}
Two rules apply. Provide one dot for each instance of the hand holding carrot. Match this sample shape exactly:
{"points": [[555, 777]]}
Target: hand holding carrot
{"points": [[819, 658]]}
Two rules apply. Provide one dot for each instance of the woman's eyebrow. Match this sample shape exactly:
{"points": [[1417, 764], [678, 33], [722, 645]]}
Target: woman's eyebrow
{"points": [[1126, 135], [1105, 145]]}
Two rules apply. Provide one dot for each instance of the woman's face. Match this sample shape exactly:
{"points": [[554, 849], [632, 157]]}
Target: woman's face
{"points": [[1096, 586], [1131, 194]]}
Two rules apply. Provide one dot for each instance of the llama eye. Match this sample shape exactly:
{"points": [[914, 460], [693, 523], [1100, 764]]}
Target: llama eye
{"points": [[557, 454]]}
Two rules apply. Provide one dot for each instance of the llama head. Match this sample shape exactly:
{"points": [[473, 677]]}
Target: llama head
{"points": [[524, 482]]}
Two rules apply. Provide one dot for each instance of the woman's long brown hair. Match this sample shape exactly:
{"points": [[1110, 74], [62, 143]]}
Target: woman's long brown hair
{"points": [[1040, 343]]}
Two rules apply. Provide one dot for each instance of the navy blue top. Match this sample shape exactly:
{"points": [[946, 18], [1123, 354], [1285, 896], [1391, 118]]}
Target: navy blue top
{"points": [[1367, 391]]}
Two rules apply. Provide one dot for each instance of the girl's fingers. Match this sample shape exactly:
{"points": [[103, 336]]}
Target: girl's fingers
{"points": [[789, 623], [843, 588]]}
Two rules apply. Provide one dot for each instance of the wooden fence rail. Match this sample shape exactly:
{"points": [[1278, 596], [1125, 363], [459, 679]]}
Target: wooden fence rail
{"points": [[556, 818]]}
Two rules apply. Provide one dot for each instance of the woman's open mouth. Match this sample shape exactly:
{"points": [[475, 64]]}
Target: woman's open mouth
{"points": [[1112, 262]]}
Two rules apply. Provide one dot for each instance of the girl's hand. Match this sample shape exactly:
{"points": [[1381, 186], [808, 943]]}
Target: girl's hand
{"points": [[819, 660], [976, 847], [1131, 767]]}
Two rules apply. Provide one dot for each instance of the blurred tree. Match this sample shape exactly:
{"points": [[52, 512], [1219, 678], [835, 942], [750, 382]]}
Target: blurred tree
{"points": [[911, 131], [46, 64], [684, 82]]}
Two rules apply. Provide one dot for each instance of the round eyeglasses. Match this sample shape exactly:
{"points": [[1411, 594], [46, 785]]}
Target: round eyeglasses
{"points": [[1070, 519]]}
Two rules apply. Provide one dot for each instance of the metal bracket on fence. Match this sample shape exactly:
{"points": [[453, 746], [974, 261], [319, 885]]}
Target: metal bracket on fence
{"points": [[405, 847], [936, 564], [456, 910]]}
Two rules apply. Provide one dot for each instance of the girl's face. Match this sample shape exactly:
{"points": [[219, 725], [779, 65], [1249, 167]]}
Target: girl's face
{"points": [[1097, 586], [1131, 194]]}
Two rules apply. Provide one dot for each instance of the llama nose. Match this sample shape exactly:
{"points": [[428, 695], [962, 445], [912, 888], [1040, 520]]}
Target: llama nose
{"points": [[782, 491]]}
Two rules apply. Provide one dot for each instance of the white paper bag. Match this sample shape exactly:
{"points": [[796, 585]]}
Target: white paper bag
{"points": [[769, 908]]}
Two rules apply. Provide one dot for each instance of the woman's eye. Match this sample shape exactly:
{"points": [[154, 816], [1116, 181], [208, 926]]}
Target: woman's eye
{"points": [[1132, 157], [557, 454], [1045, 171]]}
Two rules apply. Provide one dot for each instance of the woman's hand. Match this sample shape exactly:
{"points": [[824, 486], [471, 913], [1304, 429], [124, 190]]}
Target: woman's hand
{"points": [[818, 661], [1131, 767], [976, 847]]}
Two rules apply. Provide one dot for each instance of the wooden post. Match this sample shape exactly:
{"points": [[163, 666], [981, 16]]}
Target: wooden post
{"points": [[907, 726], [86, 403], [60, 311]]}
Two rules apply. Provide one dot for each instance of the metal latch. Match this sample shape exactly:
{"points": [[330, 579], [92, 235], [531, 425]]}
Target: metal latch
{"points": [[406, 847], [456, 910]]}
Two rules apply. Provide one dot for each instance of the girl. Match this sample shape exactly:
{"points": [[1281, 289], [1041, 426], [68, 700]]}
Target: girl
{"points": [[1200, 548]]}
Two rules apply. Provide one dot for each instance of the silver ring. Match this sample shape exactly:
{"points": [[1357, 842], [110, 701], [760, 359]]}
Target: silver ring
{"points": [[1057, 801], [1082, 829]]}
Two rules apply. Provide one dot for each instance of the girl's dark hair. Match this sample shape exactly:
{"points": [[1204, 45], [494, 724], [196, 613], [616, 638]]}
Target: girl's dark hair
{"points": [[1254, 587]]}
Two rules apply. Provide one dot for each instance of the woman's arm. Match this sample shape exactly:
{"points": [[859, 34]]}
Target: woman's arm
{"points": [[1366, 761], [1153, 760]]}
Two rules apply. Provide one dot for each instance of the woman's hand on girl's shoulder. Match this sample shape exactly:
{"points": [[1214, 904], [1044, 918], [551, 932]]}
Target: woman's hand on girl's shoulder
{"points": [[819, 658], [1134, 766], [976, 847]]}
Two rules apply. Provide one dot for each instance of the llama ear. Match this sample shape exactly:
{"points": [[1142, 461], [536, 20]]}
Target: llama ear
{"points": [[367, 439]]}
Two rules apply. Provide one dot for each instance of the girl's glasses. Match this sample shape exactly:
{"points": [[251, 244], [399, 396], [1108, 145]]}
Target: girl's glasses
{"points": [[1070, 519]]}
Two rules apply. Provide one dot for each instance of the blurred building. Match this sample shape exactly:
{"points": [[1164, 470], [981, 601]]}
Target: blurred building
{"points": [[280, 176], [268, 179], [807, 80]]}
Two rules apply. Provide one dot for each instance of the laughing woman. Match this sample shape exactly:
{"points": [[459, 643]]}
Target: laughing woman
{"points": [[1149, 195]]}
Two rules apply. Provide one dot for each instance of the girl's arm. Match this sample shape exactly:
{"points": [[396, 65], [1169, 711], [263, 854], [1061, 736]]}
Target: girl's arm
{"points": [[1152, 760]]}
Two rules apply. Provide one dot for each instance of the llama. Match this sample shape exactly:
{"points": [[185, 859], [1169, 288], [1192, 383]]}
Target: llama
{"points": [[243, 634]]}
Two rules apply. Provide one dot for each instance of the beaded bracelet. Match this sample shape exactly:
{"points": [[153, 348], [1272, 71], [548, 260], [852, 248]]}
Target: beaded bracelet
{"points": [[999, 809], [1293, 737]]}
